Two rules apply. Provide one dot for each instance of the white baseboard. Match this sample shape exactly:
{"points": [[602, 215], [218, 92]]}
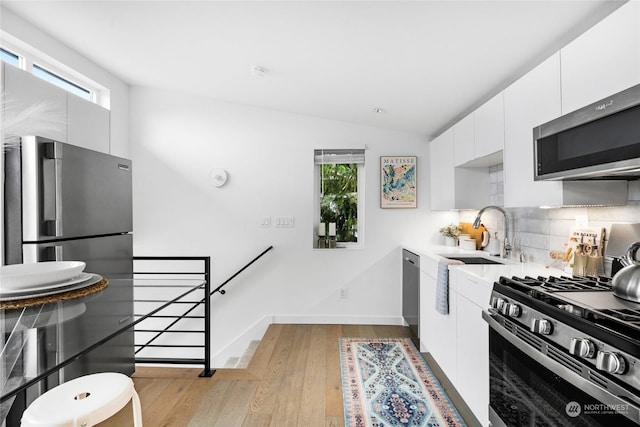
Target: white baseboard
{"points": [[257, 331], [339, 320], [240, 344]]}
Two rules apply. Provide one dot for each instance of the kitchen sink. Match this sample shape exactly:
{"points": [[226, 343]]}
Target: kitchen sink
{"points": [[473, 259]]}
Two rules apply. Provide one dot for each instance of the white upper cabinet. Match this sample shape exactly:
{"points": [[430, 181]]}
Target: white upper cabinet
{"points": [[602, 61], [489, 127], [464, 140], [33, 106], [46, 110], [480, 134], [455, 187], [530, 101], [442, 171], [88, 124]]}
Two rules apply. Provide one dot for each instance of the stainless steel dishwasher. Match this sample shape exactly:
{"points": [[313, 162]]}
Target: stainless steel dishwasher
{"points": [[411, 290]]}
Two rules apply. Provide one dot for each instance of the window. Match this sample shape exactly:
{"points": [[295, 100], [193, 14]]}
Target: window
{"points": [[25, 57], [339, 201], [65, 84], [9, 57]]}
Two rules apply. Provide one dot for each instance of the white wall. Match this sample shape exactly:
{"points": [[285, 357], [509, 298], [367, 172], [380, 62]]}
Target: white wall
{"points": [[15, 27], [177, 139]]}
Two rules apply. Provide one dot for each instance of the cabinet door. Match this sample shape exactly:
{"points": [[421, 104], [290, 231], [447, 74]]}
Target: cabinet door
{"points": [[443, 341], [489, 127], [437, 331], [602, 61], [442, 172], [33, 106], [530, 101], [427, 311], [88, 124], [464, 141], [472, 369]]}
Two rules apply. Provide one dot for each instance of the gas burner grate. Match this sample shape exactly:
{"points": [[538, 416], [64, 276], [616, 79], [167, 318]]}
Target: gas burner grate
{"points": [[631, 317], [564, 283]]}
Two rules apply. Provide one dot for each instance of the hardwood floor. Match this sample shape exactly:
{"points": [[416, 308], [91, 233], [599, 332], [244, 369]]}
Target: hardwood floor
{"points": [[293, 379]]}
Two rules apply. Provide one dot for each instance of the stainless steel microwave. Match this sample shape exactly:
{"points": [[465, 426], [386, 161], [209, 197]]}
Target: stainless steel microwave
{"points": [[599, 141]]}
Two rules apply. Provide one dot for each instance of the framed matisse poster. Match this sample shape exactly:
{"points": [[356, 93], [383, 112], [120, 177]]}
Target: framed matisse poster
{"points": [[398, 182]]}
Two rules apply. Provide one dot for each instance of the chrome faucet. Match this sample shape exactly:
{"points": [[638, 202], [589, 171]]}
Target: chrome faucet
{"points": [[507, 245]]}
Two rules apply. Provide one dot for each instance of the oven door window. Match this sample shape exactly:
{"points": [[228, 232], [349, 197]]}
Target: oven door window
{"points": [[525, 393]]}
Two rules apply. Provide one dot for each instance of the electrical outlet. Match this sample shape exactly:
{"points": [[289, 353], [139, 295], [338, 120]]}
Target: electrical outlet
{"points": [[343, 293]]}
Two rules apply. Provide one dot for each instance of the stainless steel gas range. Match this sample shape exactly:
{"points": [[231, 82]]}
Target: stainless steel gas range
{"points": [[563, 352]]}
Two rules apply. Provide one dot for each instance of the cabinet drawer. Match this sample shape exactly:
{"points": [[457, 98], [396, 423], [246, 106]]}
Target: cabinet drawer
{"points": [[472, 287]]}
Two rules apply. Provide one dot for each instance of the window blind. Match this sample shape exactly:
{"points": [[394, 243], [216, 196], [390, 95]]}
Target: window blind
{"points": [[337, 156]]}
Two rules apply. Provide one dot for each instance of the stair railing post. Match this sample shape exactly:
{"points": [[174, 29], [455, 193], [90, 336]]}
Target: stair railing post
{"points": [[207, 372]]}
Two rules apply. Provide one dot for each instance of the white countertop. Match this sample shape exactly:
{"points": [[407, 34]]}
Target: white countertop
{"points": [[486, 272]]}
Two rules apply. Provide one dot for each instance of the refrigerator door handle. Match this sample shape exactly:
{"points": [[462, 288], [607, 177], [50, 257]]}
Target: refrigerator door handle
{"points": [[53, 201], [53, 253]]}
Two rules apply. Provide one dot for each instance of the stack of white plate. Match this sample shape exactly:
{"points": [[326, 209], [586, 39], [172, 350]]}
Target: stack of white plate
{"points": [[20, 281]]}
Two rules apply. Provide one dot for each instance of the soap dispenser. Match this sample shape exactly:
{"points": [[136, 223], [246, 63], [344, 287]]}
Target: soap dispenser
{"points": [[495, 245]]}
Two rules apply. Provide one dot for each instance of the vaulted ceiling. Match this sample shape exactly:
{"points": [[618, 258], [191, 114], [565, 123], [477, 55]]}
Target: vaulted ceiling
{"points": [[424, 63]]}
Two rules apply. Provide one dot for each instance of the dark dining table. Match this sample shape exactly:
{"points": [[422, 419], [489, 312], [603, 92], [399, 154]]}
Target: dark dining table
{"points": [[36, 344]]}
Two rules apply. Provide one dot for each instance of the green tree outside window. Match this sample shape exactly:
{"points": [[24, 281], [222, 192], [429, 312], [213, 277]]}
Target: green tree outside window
{"points": [[339, 199]]}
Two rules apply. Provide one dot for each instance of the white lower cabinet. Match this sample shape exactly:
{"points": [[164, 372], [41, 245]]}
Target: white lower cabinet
{"points": [[472, 342], [472, 370], [437, 336], [443, 348], [459, 341], [427, 310]]}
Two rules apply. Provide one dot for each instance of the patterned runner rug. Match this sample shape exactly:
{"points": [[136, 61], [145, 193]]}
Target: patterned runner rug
{"points": [[386, 382]]}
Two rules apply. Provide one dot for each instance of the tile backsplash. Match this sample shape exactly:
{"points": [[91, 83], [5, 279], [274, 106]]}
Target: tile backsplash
{"points": [[536, 232], [496, 183]]}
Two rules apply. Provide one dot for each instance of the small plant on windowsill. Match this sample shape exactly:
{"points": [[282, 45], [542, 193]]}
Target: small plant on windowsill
{"points": [[451, 231]]}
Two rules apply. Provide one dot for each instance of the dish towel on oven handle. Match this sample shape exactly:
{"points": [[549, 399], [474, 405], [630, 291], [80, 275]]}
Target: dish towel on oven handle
{"points": [[442, 285]]}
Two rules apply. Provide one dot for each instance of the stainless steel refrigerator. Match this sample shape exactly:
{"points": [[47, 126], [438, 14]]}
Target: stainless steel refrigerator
{"points": [[64, 202]]}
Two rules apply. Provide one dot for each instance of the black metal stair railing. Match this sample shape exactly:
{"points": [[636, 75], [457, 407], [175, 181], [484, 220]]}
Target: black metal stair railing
{"points": [[167, 279]]}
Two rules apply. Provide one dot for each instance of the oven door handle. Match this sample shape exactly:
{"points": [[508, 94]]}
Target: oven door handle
{"points": [[632, 410]]}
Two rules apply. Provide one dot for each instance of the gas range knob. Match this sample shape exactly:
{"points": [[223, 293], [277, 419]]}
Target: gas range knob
{"points": [[514, 310], [511, 310], [541, 326], [582, 347], [498, 303], [610, 362]]}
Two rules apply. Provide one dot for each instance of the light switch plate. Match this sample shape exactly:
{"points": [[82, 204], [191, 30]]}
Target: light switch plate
{"points": [[285, 221], [265, 221]]}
